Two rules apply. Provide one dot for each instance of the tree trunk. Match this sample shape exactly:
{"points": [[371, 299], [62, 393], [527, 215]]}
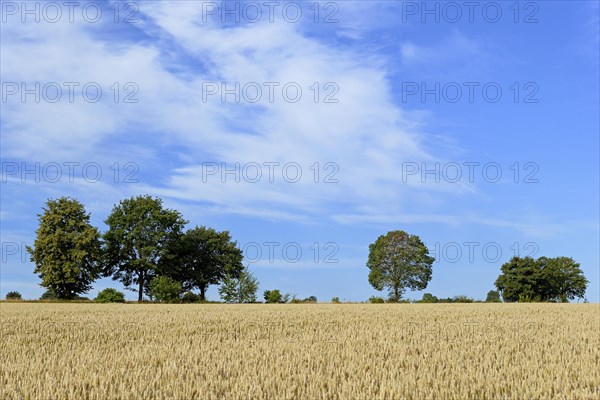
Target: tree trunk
{"points": [[396, 296], [141, 289], [202, 290]]}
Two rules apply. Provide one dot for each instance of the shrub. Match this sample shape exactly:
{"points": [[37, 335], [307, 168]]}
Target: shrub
{"points": [[310, 299], [110, 295], [49, 295], [375, 299], [164, 289], [335, 300], [13, 296], [190, 297], [273, 296], [462, 299]]}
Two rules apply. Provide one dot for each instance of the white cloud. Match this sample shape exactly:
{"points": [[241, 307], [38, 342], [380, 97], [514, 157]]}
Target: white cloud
{"points": [[365, 133]]}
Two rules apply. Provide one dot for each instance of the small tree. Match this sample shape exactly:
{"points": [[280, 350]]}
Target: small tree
{"points": [[398, 261], [110, 295], [13, 296], [164, 289], [429, 298], [66, 251], [273, 296], [241, 289], [310, 299], [335, 300], [493, 296]]}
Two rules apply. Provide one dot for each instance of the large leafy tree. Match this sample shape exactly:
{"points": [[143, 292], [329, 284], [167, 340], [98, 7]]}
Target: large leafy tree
{"points": [[399, 261], [66, 251], [241, 289], [564, 279], [544, 279], [139, 233], [520, 278], [203, 257]]}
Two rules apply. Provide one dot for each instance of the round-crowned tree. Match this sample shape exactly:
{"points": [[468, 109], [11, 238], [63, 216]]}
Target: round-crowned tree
{"points": [[110, 295], [399, 261]]}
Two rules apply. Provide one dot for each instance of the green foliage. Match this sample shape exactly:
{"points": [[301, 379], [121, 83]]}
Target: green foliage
{"points": [[456, 299], [190, 297], [13, 296], [273, 296], [545, 279], [49, 295], [375, 299], [493, 296], [139, 232], [429, 298], [203, 257], [398, 261], [335, 300], [563, 279], [310, 299], [462, 299], [110, 295], [526, 298], [66, 251], [164, 289], [241, 289]]}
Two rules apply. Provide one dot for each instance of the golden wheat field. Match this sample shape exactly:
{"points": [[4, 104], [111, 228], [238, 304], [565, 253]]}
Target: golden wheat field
{"points": [[308, 351]]}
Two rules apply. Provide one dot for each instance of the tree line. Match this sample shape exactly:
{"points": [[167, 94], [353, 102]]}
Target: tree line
{"points": [[399, 261], [147, 249], [144, 241]]}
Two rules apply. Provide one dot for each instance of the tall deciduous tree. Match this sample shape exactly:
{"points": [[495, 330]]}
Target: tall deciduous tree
{"points": [[204, 257], [139, 233], [520, 278], [565, 280], [399, 261], [544, 279], [241, 289], [66, 251]]}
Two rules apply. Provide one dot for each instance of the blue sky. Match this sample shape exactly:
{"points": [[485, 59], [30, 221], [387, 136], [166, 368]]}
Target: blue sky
{"points": [[307, 135]]}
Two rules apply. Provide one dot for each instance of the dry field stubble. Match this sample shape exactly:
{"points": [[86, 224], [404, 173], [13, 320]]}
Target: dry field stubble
{"points": [[314, 351]]}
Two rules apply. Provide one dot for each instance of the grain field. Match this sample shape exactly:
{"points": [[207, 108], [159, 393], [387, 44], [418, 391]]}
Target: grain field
{"points": [[304, 351]]}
